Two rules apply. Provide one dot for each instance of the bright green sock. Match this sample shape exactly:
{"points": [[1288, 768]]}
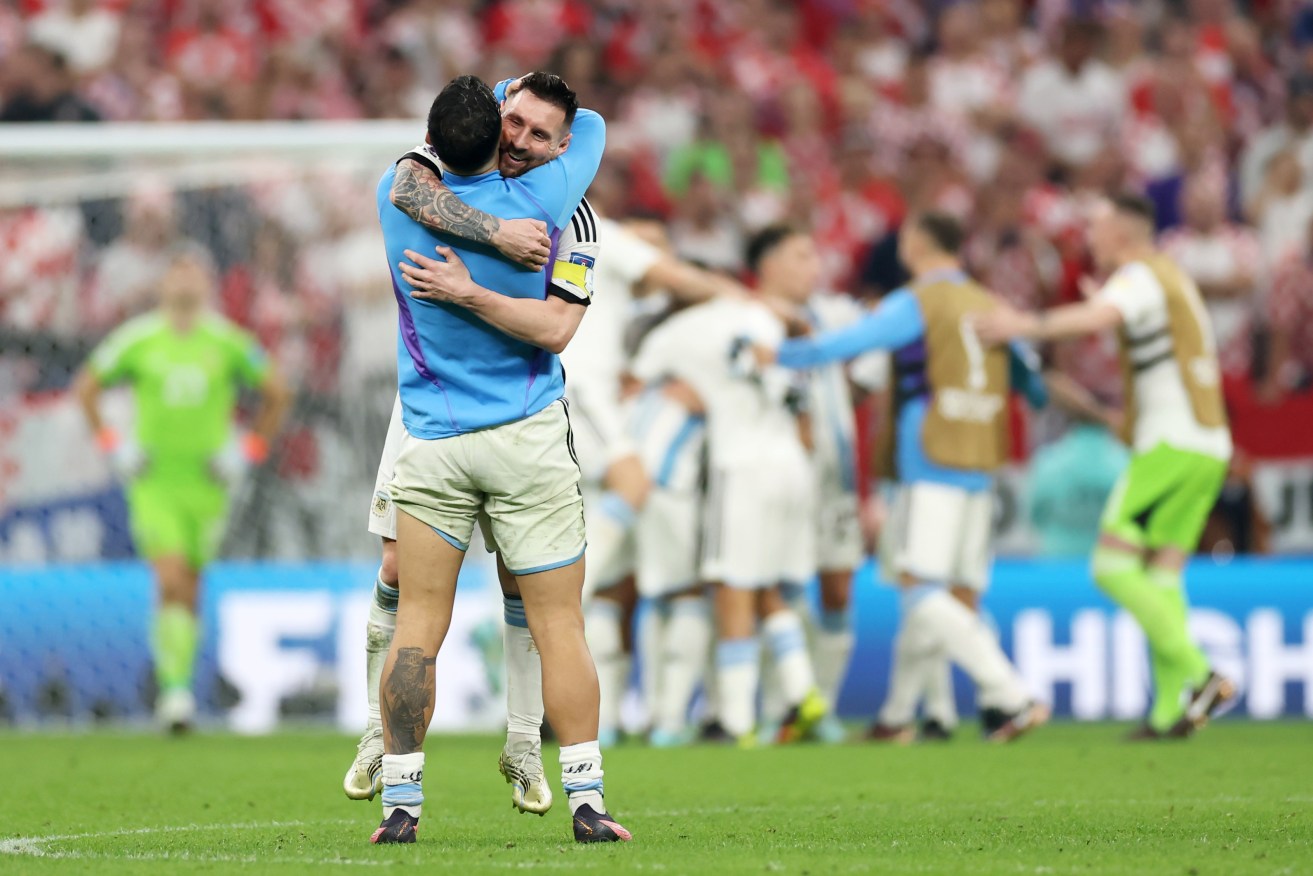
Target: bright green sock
{"points": [[176, 638], [1153, 603], [1170, 584]]}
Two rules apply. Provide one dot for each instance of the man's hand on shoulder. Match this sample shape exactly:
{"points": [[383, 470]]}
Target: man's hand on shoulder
{"points": [[523, 241], [448, 282]]}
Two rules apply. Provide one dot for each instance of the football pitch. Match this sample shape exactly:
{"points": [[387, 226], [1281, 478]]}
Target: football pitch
{"points": [[1070, 799]]}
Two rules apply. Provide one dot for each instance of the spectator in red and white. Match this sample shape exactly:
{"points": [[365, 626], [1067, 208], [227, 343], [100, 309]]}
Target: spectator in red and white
{"points": [[862, 206], [1282, 208], [771, 54], [1210, 20], [134, 87], [1225, 260], [214, 59], [881, 53], [83, 31], [128, 271], [39, 270], [444, 38], [964, 79], [528, 32], [1074, 100], [966, 82], [1289, 321], [909, 117], [1293, 133], [1009, 258]]}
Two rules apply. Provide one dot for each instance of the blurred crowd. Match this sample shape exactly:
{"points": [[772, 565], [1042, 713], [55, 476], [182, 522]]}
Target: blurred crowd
{"points": [[724, 117]]}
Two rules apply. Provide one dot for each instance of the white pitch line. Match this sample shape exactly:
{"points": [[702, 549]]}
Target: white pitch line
{"points": [[36, 847]]}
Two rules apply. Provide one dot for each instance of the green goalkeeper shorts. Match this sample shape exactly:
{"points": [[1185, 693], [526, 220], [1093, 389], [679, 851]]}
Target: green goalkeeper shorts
{"points": [[1164, 497], [177, 517]]}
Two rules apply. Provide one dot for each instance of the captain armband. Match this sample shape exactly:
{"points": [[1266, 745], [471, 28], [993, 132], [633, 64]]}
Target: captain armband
{"points": [[572, 279]]}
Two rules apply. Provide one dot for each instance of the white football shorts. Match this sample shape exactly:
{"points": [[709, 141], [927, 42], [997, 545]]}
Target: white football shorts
{"points": [[759, 528], [671, 443], [382, 513], [939, 533]]}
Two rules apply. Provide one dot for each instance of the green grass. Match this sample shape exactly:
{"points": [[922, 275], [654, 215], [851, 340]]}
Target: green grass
{"points": [[1072, 799]]}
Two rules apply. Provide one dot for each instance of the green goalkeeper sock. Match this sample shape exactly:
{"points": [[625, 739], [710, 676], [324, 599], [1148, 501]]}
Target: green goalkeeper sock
{"points": [[1172, 589], [1159, 606], [176, 639]]}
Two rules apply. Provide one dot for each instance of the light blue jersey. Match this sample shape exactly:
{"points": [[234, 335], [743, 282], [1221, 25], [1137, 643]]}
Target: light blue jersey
{"points": [[455, 372], [898, 324]]}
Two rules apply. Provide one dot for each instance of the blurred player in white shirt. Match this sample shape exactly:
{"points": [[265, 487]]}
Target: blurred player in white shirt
{"points": [[787, 267], [760, 486], [616, 481]]}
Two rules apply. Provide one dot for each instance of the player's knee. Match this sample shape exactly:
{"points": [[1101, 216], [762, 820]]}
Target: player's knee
{"points": [[387, 567], [836, 591], [627, 479], [966, 595]]}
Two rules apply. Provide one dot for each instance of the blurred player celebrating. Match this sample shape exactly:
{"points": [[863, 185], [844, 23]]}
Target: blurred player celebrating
{"points": [[617, 481], [1175, 423], [185, 366], [487, 440], [756, 530], [948, 435], [787, 267], [418, 191]]}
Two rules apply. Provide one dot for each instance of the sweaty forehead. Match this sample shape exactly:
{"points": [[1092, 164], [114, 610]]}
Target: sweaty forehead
{"points": [[536, 113]]}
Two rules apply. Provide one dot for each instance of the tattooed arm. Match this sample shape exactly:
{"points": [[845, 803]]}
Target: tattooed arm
{"points": [[419, 193]]}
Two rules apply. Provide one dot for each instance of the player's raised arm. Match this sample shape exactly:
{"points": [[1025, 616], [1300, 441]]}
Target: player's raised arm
{"points": [[418, 191], [896, 322]]}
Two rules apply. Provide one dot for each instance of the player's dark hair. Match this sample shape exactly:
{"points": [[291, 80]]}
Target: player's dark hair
{"points": [[465, 124], [764, 242], [1135, 206], [943, 230], [552, 88]]}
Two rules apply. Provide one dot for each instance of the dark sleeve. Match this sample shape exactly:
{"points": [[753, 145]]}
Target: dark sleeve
{"points": [[425, 155]]}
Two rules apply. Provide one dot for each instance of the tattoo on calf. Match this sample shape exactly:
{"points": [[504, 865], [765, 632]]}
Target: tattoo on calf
{"points": [[422, 196], [406, 695]]}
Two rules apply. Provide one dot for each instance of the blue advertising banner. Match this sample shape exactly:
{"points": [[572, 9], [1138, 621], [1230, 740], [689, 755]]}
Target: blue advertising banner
{"points": [[287, 641]]}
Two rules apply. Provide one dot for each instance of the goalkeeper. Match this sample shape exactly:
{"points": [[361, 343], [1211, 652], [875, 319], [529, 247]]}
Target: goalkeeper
{"points": [[185, 365]]}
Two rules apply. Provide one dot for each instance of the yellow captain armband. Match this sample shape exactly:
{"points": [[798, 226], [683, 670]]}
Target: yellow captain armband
{"points": [[573, 278]]}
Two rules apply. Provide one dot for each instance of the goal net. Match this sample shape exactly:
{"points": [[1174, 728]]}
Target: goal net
{"points": [[87, 215], [287, 213]]}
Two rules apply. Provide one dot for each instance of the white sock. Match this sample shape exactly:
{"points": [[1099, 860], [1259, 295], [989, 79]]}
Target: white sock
{"points": [[788, 647], [608, 522], [940, 704], [602, 629], [403, 778], [524, 676], [913, 659], [963, 636], [738, 663], [685, 646], [581, 774], [832, 648], [379, 628]]}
